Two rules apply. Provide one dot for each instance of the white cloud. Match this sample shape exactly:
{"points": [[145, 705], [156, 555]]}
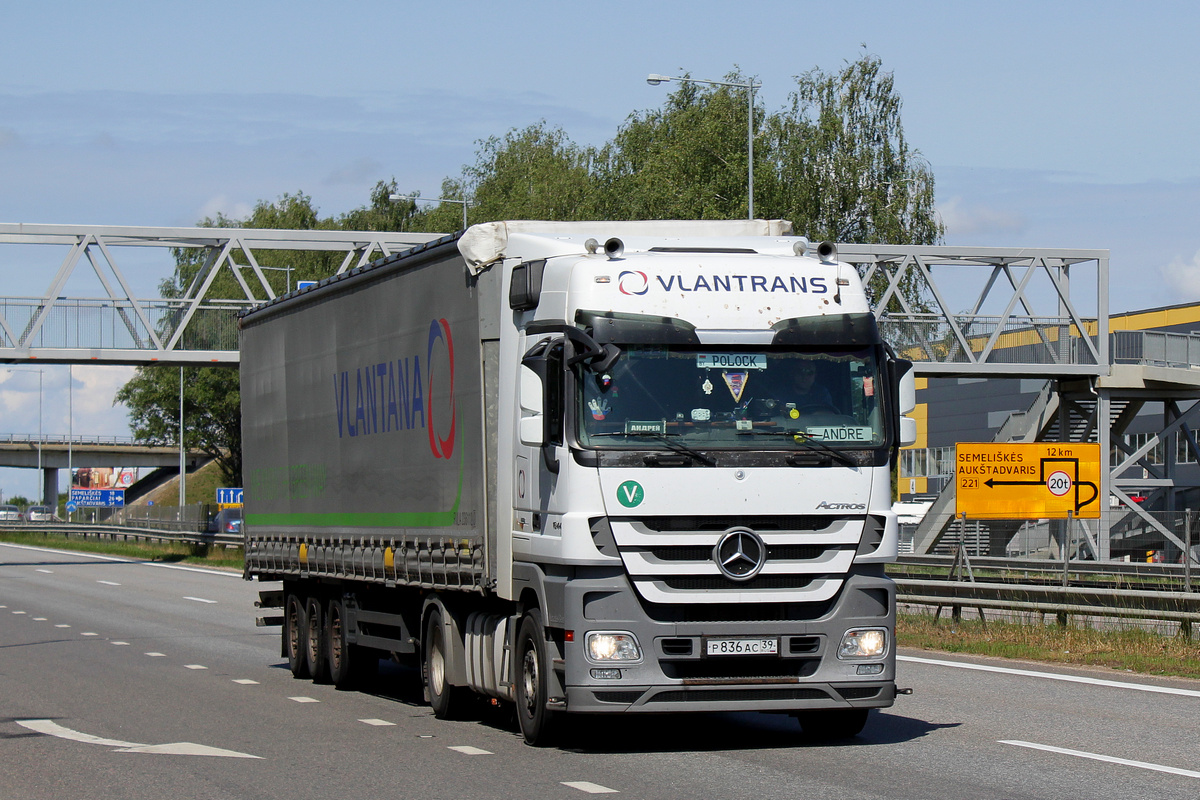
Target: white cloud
{"points": [[962, 219], [234, 209], [1182, 277]]}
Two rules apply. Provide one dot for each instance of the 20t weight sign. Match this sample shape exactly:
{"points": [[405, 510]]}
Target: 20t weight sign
{"points": [[1059, 483]]}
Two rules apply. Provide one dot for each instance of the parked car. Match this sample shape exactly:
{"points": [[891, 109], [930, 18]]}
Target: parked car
{"points": [[41, 514], [10, 514]]}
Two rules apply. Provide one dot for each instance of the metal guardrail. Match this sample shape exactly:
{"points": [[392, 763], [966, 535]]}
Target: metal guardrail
{"points": [[1091, 601], [126, 533], [1038, 592]]}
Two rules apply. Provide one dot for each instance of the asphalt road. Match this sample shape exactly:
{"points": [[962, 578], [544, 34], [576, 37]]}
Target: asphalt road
{"points": [[130, 680]]}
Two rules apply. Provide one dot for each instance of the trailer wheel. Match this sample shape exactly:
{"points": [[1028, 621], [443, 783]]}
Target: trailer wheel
{"points": [[532, 690], [835, 723], [315, 650], [444, 698], [295, 631], [348, 663]]}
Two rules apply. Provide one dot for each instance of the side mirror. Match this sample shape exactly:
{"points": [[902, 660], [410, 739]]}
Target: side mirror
{"points": [[531, 428], [908, 431], [907, 390]]}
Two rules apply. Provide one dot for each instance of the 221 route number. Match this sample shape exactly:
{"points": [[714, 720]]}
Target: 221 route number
{"points": [[742, 647]]}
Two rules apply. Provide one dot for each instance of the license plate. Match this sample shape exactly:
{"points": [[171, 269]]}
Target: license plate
{"points": [[741, 647]]}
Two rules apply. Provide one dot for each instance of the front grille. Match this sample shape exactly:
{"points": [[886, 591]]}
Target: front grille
{"points": [[785, 552], [737, 695], [703, 583], [793, 522]]}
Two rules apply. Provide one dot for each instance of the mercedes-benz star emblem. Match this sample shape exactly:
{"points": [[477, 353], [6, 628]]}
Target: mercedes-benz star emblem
{"points": [[740, 554]]}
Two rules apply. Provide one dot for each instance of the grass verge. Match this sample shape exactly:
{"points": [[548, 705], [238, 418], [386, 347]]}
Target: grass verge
{"points": [[169, 553], [1126, 649]]}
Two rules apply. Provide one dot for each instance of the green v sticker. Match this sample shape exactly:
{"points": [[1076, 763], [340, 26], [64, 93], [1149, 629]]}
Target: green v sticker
{"points": [[630, 494]]}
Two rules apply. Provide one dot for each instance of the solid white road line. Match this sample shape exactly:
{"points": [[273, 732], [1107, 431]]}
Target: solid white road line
{"points": [[118, 560], [1187, 773], [589, 787], [1029, 673], [51, 728]]}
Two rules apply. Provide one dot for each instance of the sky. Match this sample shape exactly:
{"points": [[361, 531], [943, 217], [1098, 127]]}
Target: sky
{"points": [[1046, 124]]}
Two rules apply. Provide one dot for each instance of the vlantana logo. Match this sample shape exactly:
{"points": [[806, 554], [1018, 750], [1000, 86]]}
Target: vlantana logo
{"points": [[633, 282], [394, 395]]}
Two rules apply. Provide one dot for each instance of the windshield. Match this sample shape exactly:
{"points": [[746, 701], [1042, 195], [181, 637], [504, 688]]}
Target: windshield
{"points": [[733, 398]]}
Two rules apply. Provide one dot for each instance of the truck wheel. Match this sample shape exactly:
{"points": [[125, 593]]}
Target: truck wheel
{"points": [[315, 649], [444, 699], [347, 662], [295, 630], [834, 723], [532, 688]]}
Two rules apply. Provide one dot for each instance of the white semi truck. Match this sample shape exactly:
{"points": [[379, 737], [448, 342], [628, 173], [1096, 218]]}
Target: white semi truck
{"points": [[585, 468]]}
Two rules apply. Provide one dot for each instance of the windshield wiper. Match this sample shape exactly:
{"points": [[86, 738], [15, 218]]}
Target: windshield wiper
{"points": [[817, 444], [677, 447]]}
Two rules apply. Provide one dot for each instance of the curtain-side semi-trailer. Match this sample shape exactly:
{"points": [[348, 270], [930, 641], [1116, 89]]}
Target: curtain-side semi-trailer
{"points": [[586, 468]]}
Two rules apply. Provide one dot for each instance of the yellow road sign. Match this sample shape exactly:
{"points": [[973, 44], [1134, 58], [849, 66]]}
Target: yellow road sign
{"points": [[1039, 480]]}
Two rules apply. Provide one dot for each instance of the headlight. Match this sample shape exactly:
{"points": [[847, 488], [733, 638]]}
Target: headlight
{"points": [[863, 643], [612, 646]]}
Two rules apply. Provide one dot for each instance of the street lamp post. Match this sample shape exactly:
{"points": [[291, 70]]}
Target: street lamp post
{"points": [[41, 477], [750, 86], [413, 198]]}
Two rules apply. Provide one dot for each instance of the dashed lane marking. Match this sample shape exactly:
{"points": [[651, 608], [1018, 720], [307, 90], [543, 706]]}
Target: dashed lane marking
{"points": [[468, 750], [39, 619], [304, 699], [62, 626], [200, 600], [89, 633], [46, 571], [379, 723], [156, 655], [120, 644], [589, 787], [20, 612], [109, 583], [1187, 773], [194, 666], [245, 682]]}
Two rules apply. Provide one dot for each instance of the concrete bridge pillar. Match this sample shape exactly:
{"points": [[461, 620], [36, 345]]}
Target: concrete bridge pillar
{"points": [[50, 486]]}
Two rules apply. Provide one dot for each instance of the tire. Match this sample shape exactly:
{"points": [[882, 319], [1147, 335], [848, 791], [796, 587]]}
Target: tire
{"points": [[349, 664], [445, 700], [532, 691], [836, 723], [315, 649], [295, 630]]}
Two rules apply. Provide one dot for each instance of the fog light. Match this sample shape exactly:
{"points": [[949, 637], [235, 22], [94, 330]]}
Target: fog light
{"points": [[612, 646], [610, 674], [863, 669], [863, 643]]}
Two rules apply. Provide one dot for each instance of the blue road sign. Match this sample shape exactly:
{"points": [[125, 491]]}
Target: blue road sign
{"points": [[105, 498], [229, 497]]}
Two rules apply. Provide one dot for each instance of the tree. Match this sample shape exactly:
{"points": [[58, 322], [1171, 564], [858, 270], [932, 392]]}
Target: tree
{"points": [[841, 164], [211, 410]]}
